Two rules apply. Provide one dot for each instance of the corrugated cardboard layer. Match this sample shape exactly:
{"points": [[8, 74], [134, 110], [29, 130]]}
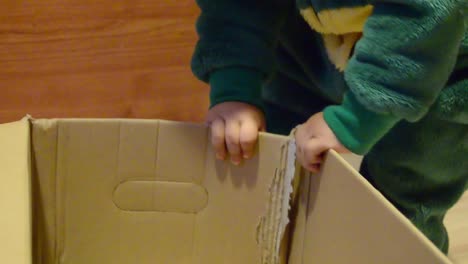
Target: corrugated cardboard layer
{"points": [[273, 232]]}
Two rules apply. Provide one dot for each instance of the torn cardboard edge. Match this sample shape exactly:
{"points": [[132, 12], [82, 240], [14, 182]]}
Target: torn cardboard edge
{"points": [[271, 232]]}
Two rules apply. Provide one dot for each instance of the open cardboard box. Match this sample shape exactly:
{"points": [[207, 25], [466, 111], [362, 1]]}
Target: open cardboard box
{"points": [[81, 191]]}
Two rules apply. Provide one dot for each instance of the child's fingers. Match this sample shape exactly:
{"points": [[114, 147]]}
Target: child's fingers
{"points": [[301, 158], [248, 138], [311, 154], [313, 150], [232, 140], [217, 138], [314, 168]]}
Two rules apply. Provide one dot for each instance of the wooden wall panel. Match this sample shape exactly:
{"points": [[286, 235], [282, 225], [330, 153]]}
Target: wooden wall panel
{"points": [[99, 58]]}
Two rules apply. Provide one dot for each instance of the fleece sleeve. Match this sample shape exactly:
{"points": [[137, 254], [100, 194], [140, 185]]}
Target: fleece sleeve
{"points": [[235, 51], [405, 57]]}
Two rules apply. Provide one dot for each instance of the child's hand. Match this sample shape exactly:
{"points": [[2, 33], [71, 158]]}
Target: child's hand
{"points": [[234, 129], [313, 139]]}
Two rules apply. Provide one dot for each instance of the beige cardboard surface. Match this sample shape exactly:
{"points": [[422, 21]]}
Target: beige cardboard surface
{"points": [[140, 191], [15, 215], [342, 219], [147, 192]]}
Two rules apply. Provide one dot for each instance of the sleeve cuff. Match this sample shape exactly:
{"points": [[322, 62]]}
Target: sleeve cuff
{"points": [[357, 127], [238, 84]]}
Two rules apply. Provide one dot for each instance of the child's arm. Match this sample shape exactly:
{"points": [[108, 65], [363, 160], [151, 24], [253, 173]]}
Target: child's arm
{"points": [[237, 40], [235, 53], [406, 55]]}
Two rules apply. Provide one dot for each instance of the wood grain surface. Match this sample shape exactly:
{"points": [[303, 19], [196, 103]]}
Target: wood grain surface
{"points": [[104, 58]]}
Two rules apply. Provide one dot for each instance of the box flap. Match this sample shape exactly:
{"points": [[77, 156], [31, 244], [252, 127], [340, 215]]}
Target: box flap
{"points": [[136, 191], [15, 220], [341, 218]]}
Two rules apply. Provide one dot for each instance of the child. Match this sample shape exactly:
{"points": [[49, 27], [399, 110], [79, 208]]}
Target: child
{"points": [[387, 79]]}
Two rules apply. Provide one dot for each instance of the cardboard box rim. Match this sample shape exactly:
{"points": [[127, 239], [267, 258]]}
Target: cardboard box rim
{"points": [[19, 247]]}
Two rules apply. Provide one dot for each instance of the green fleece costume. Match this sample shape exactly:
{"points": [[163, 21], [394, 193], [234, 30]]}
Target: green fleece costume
{"points": [[391, 77]]}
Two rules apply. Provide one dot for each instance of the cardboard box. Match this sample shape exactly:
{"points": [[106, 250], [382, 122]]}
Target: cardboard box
{"points": [[78, 191]]}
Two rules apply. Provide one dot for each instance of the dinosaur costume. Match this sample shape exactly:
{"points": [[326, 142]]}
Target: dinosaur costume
{"points": [[391, 77]]}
